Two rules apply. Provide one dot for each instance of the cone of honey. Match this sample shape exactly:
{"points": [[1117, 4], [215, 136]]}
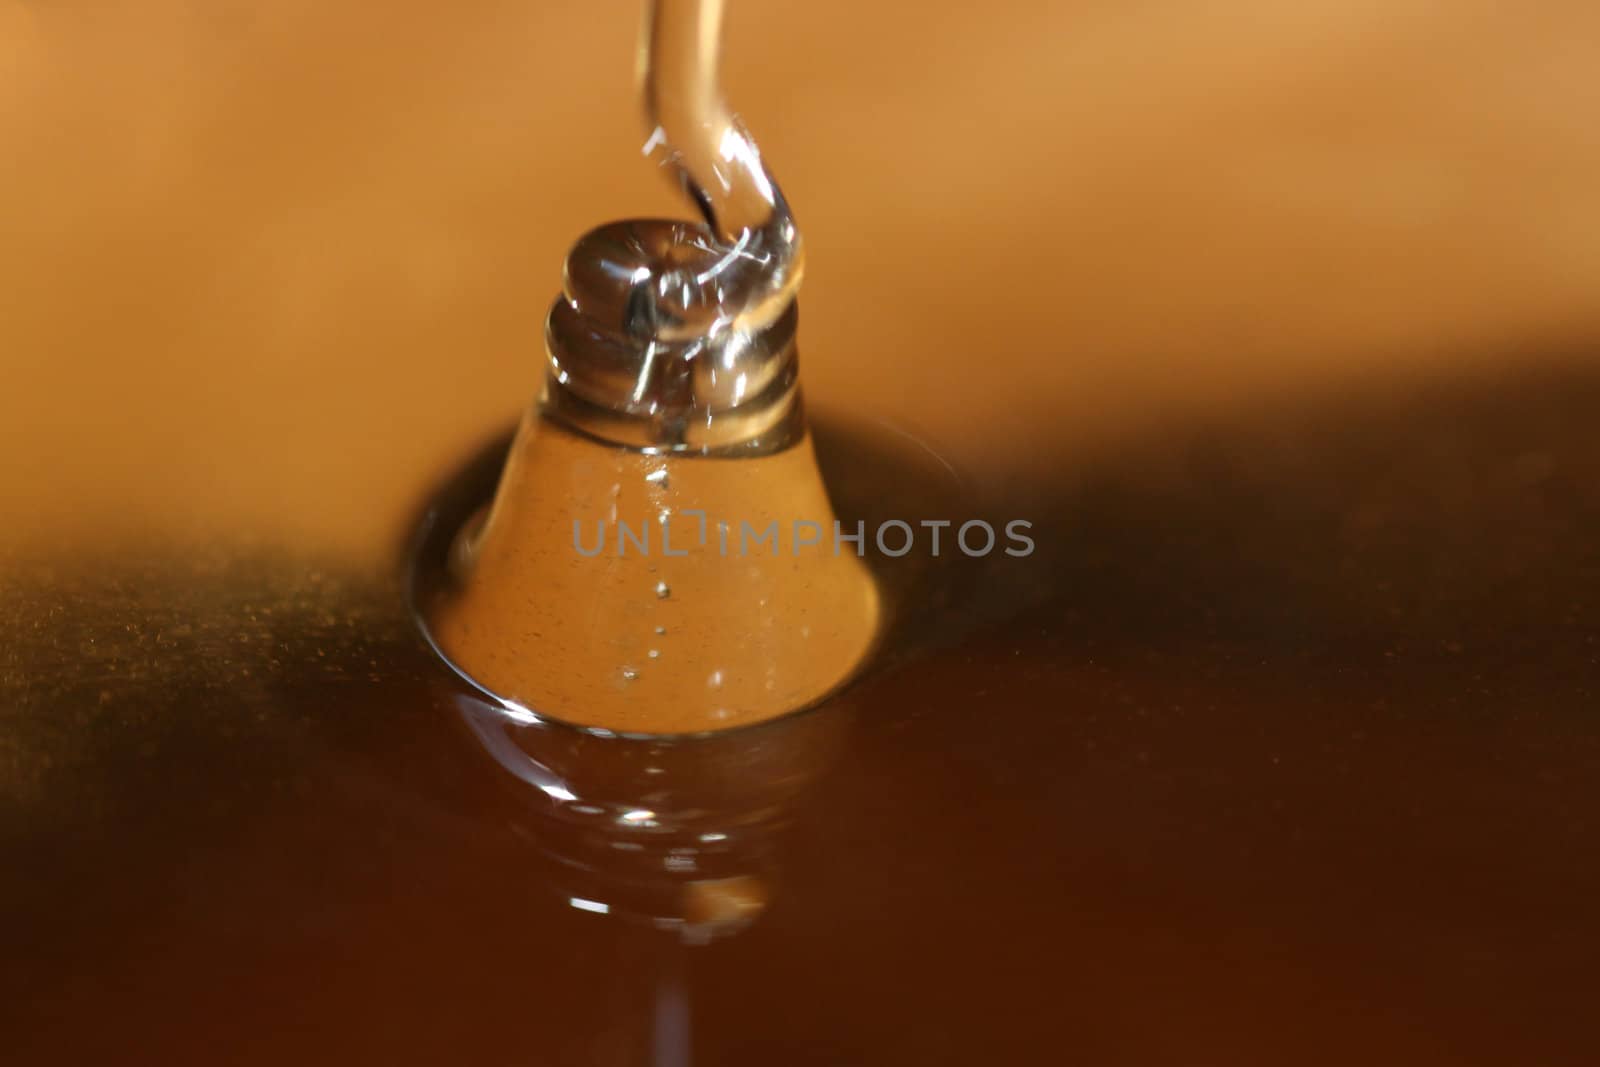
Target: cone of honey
{"points": [[661, 556]]}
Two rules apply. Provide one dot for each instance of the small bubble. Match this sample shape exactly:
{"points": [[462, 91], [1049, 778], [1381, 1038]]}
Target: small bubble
{"points": [[629, 674], [654, 653], [661, 629], [657, 477], [663, 590], [715, 681]]}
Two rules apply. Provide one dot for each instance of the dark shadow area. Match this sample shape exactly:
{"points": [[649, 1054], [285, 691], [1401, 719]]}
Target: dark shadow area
{"points": [[1434, 516]]}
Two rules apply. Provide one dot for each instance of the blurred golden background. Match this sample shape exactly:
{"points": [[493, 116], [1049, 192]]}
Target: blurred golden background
{"points": [[274, 266]]}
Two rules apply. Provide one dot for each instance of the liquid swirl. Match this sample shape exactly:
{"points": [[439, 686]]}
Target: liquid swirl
{"points": [[673, 335]]}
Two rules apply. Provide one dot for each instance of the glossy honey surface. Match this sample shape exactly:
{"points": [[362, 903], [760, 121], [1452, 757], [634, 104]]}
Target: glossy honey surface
{"points": [[1278, 321]]}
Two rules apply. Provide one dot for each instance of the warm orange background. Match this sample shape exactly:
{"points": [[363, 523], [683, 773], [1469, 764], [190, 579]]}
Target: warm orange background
{"points": [[272, 266]]}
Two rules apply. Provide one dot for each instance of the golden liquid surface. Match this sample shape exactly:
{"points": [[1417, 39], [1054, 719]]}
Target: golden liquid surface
{"points": [[1279, 322]]}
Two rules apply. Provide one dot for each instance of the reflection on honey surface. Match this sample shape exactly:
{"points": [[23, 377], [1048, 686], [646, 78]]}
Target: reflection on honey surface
{"points": [[1298, 750], [1278, 320]]}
